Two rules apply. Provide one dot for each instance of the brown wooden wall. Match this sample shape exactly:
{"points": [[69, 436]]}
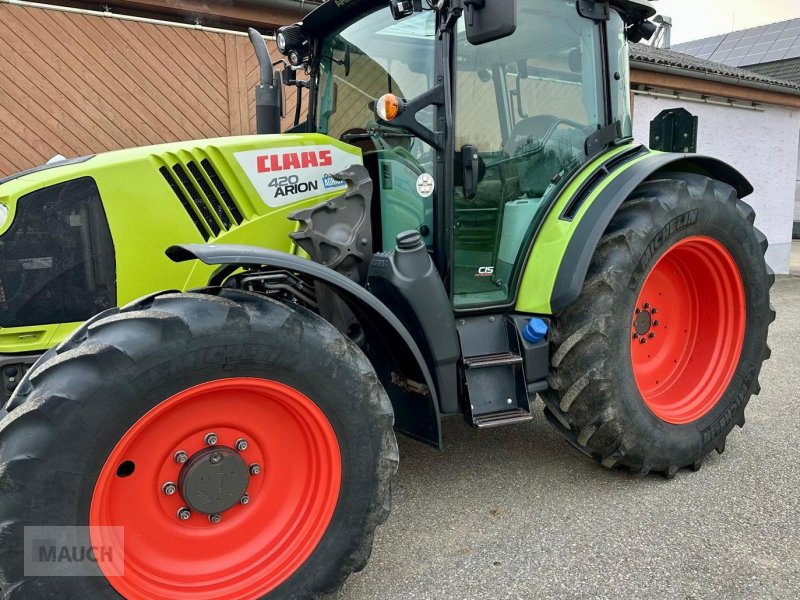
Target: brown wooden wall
{"points": [[74, 85]]}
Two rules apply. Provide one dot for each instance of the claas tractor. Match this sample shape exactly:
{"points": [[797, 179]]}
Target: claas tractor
{"points": [[463, 222]]}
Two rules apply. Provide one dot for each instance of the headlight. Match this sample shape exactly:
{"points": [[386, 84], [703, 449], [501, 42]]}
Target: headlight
{"points": [[3, 214], [292, 42]]}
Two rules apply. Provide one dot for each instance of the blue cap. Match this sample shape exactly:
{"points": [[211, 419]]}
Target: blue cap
{"points": [[535, 331]]}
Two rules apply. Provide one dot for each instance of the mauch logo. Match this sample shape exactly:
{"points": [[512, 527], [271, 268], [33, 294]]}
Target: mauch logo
{"points": [[64, 551], [51, 552], [270, 163]]}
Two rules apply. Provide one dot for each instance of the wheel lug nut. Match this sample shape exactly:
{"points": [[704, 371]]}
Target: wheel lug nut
{"points": [[653, 310], [646, 306], [245, 499], [241, 444], [215, 518], [181, 457], [211, 439], [652, 335], [255, 469], [642, 340], [655, 323], [169, 488], [216, 458], [184, 513], [638, 310], [636, 336]]}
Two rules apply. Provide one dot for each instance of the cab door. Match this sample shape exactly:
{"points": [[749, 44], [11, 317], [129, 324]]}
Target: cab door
{"points": [[524, 105]]}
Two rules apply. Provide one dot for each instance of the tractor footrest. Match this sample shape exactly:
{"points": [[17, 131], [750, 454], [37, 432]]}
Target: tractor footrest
{"points": [[493, 360], [506, 417]]}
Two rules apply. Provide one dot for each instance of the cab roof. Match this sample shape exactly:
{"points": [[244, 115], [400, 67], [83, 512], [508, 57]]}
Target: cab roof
{"points": [[333, 14]]}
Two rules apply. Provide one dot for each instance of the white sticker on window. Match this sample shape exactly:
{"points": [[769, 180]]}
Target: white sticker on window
{"points": [[284, 176], [425, 185]]}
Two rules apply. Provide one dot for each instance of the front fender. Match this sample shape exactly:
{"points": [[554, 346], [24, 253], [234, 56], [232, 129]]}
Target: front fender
{"points": [[391, 346]]}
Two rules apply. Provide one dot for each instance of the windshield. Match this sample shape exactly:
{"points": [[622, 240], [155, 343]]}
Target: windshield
{"points": [[368, 59], [360, 63]]}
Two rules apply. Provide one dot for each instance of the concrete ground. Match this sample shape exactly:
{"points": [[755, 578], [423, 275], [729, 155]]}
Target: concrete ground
{"points": [[516, 513], [794, 265]]}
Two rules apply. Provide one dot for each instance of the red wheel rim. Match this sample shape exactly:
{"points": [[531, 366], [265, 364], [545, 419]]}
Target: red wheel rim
{"points": [[256, 546], [688, 330]]}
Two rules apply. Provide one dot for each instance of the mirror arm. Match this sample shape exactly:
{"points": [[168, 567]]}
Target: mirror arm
{"points": [[470, 6], [408, 118]]}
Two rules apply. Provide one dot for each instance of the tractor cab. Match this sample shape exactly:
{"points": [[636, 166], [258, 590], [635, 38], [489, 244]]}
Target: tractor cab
{"points": [[470, 157]]}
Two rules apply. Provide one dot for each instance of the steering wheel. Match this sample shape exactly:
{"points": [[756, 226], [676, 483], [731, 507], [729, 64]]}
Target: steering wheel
{"points": [[541, 128]]}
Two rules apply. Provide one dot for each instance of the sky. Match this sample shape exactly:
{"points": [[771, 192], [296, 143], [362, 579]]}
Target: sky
{"points": [[695, 19]]}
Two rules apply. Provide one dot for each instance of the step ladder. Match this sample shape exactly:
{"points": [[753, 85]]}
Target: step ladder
{"points": [[494, 372]]}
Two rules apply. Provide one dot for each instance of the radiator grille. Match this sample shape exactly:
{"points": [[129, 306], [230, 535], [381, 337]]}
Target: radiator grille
{"points": [[204, 197]]}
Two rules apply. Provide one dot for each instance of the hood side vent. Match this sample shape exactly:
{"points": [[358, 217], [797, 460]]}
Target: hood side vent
{"points": [[192, 191], [224, 216], [185, 202], [202, 193], [223, 192]]}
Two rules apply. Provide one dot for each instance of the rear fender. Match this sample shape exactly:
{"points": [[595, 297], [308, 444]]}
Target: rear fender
{"points": [[392, 350], [574, 254]]}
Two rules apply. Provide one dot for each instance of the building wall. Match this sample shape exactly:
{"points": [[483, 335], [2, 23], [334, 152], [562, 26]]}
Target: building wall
{"points": [[761, 145], [73, 84], [796, 232]]}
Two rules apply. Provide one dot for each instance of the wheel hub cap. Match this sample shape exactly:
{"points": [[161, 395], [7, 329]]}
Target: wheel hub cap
{"points": [[643, 322], [214, 480]]}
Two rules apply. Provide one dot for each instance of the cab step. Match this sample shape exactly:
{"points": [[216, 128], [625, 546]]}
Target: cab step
{"points": [[506, 417], [494, 371], [493, 360]]}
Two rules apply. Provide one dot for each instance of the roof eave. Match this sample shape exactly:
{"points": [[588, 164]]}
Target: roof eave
{"points": [[729, 79]]}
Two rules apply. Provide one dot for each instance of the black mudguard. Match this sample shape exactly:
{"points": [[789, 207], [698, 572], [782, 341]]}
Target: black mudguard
{"points": [[574, 266], [392, 349]]}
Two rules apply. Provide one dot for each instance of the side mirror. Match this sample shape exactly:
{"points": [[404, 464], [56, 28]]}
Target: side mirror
{"points": [[489, 20]]}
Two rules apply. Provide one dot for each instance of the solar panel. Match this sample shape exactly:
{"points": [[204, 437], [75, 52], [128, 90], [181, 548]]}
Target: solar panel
{"points": [[766, 43], [782, 45], [774, 55]]}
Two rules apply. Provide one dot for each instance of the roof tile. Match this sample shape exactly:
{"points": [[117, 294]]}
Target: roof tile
{"points": [[643, 54]]}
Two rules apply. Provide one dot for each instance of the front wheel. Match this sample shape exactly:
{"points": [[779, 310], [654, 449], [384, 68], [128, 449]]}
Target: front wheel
{"points": [[654, 364], [227, 446]]}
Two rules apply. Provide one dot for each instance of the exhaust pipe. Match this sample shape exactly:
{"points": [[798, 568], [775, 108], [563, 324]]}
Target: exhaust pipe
{"points": [[269, 91]]}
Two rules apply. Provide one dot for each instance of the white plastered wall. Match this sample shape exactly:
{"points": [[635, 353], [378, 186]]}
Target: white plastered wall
{"points": [[763, 146]]}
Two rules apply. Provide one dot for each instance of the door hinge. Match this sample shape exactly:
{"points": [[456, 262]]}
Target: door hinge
{"points": [[602, 138]]}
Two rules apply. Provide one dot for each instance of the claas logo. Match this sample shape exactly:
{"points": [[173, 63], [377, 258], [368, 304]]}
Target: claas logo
{"points": [[271, 163]]}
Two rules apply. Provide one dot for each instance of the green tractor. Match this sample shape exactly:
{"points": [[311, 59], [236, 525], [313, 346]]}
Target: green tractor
{"points": [[463, 222]]}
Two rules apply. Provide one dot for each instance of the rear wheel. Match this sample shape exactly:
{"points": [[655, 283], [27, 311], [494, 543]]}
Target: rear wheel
{"points": [[654, 364], [246, 447]]}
